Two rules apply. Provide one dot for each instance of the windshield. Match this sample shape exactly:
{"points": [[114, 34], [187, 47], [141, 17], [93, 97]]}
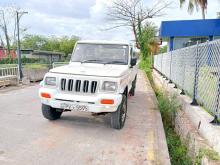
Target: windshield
{"points": [[101, 53]]}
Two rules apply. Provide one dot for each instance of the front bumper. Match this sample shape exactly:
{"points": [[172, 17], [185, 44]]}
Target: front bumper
{"points": [[91, 101]]}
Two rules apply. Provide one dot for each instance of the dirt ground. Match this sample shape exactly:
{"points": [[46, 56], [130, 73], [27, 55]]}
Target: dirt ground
{"points": [[27, 138]]}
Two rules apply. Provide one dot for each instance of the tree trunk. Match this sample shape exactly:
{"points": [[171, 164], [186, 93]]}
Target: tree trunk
{"points": [[6, 34], [7, 41], [1, 42], [135, 35], [203, 13]]}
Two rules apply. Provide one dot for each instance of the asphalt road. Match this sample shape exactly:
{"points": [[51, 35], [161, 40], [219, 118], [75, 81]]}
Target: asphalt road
{"points": [[27, 138]]}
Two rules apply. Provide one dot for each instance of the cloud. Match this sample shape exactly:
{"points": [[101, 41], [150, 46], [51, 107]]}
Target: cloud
{"points": [[87, 18], [60, 8], [177, 13], [86, 27], [99, 10]]}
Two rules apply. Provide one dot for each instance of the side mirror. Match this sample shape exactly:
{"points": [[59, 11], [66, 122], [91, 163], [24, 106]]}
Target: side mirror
{"points": [[41, 83], [133, 61]]}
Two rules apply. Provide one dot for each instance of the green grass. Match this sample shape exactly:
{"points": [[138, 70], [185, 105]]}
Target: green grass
{"points": [[36, 66], [210, 154], [177, 150], [29, 66], [207, 88], [7, 65], [147, 67]]}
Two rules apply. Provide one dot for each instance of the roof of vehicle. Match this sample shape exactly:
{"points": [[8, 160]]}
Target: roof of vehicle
{"points": [[103, 42]]}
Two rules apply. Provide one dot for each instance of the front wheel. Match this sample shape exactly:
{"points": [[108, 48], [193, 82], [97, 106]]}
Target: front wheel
{"points": [[118, 117], [50, 113], [132, 91]]}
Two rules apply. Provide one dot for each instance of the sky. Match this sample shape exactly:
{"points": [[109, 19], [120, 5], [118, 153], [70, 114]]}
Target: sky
{"points": [[87, 18]]}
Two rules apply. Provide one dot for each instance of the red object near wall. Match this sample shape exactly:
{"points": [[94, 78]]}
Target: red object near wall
{"points": [[4, 53]]}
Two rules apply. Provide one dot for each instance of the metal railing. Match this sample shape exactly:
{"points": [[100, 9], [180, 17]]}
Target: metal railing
{"points": [[196, 71], [8, 70], [57, 64]]}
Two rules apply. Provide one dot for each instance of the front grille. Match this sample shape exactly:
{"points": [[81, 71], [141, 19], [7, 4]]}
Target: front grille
{"points": [[75, 85]]}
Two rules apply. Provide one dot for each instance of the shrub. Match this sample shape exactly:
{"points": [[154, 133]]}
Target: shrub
{"points": [[146, 66], [168, 107], [24, 60]]}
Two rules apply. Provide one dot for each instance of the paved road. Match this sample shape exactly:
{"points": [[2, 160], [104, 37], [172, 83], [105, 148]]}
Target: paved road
{"points": [[27, 138]]}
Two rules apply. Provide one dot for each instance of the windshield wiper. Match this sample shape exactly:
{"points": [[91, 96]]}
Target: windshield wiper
{"points": [[88, 61], [115, 62]]}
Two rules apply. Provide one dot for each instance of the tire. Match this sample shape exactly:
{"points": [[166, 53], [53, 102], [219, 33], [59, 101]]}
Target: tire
{"points": [[132, 91], [50, 113], [118, 117]]}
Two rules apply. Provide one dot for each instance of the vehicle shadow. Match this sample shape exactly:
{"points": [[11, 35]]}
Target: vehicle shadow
{"points": [[74, 119]]}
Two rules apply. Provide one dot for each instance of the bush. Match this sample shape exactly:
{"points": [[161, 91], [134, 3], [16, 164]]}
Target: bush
{"points": [[168, 107], [210, 154], [24, 60], [145, 65], [7, 61]]}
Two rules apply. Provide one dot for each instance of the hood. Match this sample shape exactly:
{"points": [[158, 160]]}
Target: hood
{"points": [[91, 69]]}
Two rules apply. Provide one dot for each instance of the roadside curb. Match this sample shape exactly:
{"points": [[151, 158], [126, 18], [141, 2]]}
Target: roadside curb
{"points": [[161, 148]]}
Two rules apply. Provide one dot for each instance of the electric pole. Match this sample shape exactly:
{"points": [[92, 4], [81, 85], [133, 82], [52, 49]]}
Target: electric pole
{"points": [[19, 14]]}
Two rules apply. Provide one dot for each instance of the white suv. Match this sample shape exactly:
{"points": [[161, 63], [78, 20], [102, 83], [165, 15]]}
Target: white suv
{"points": [[98, 79]]}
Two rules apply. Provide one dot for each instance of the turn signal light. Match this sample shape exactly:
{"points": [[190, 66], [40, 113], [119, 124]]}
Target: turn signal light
{"points": [[46, 95], [107, 101]]}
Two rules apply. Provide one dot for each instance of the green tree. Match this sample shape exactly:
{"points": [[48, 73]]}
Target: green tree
{"points": [[163, 49], [52, 44], [67, 44], [192, 4], [147, 39], [56, 44], [35, 42]]}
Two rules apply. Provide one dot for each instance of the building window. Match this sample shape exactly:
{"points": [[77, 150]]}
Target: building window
{"points": [[182, 42]]}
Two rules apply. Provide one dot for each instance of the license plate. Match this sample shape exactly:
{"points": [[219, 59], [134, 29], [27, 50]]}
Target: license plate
{"points": [[74, 107]]}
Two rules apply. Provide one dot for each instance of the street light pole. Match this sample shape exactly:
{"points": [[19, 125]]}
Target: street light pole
{"points": [[18, 16]]}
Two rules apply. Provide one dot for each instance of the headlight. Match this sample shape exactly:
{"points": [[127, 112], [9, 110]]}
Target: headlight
{"points": [[109, 86], [50, 81]]}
